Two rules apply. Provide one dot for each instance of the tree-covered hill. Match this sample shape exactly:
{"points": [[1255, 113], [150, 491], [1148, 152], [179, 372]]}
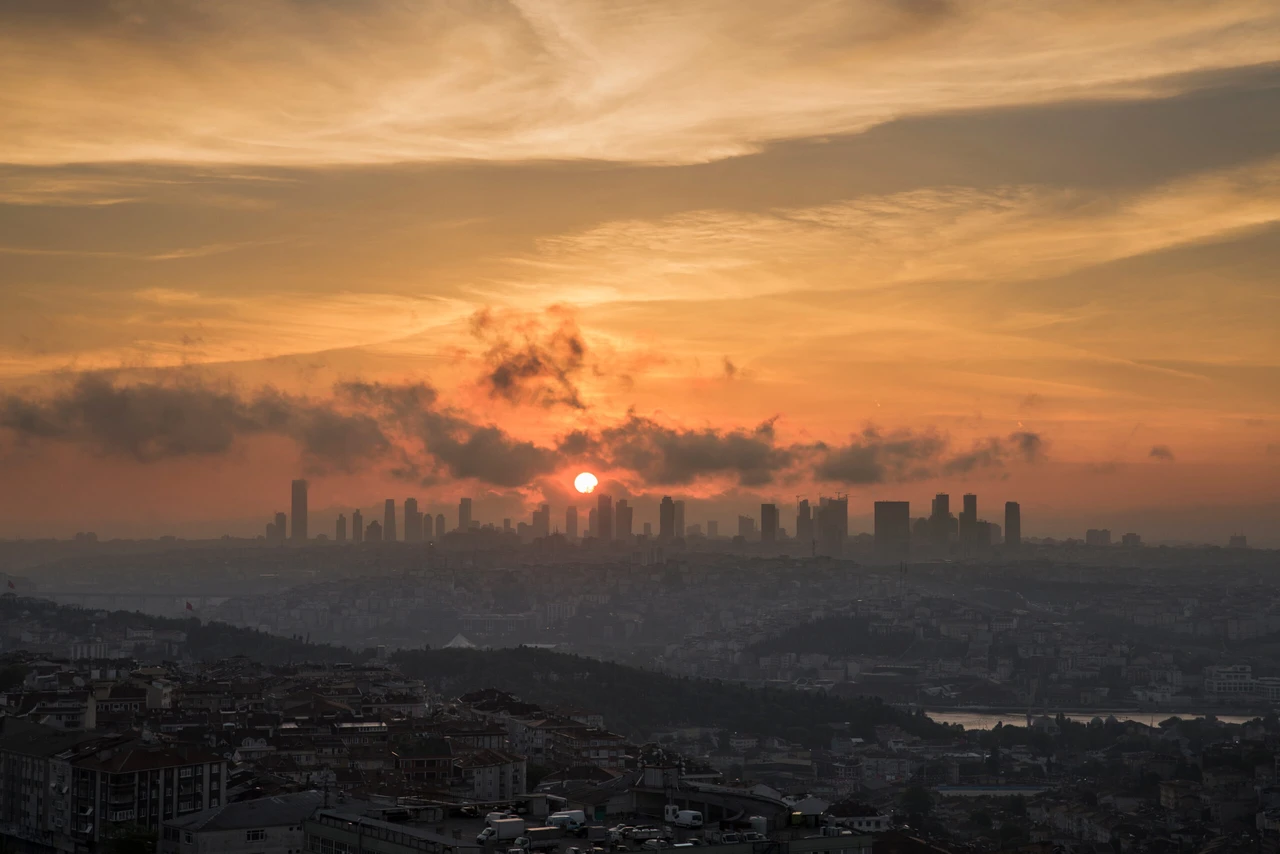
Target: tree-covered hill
{"points": [[638, 702]]}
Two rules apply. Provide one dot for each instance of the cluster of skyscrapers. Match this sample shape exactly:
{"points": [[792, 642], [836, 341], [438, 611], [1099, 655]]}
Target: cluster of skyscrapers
{"points": [[820, 530]]}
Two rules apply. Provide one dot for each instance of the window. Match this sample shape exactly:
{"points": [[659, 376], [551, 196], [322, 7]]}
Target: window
{"points": [[255, 835]]}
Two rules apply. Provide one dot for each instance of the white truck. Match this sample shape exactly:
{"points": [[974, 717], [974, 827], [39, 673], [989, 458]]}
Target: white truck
{"points": [[501, 830]]}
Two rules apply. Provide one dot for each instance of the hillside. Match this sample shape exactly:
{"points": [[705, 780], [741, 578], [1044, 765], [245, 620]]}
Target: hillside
{"points": [[638, 702], [844, 636]]}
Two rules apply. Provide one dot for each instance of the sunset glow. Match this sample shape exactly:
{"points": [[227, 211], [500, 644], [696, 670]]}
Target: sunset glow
{"points": [[585, 482]]}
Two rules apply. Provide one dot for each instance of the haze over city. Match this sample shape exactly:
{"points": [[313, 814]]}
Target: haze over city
{"points": [[724, 251]]}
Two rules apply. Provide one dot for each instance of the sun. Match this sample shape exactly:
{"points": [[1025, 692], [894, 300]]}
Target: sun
{"points": [[585, 482]]}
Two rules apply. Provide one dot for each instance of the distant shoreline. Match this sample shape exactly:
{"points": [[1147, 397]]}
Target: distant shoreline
{"points": [[1159, 714]]}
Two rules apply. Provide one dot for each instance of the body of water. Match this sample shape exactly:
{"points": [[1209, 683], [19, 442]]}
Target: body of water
{"points": [[988, 720]]}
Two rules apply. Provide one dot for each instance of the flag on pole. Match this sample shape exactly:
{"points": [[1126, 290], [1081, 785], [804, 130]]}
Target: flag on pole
{"points": [[189, 608], [11, 587]]}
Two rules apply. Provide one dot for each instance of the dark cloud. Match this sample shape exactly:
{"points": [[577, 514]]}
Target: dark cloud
{"points": [[1163, 453], [532, 358], [669, 456], [874, 457], [730, 369]]}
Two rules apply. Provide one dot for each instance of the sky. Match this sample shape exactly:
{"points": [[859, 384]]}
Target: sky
{"points": [[728, 250]]}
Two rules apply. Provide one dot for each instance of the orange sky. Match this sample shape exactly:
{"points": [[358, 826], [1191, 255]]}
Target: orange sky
{"points": [[950, 224]]}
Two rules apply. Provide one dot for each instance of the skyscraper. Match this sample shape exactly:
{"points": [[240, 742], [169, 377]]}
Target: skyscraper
{"points": [[833, 525], [591, 523], [357, 526], [571, 523], [1012, 524], [440, 526], [389, 521], [464, 515], [282, 527], [746, 528], [340, 529], [713, 528], [648, 529], [373, 533], [680, 518], [667, 518], [940, 520], [622, 516], [542, 521], [768, 523], [412, 521], [969, 534], [893, 530], [271, 531], [804, 525], [299, 511], [604, 517]]}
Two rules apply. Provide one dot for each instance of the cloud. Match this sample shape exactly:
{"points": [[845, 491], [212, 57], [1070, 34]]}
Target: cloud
{"points": [[383, 81], [874, 457], [532, 358], [1161, 453]]}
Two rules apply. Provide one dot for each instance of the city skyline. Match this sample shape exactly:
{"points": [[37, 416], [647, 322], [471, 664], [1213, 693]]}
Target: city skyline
{"points": [[736, 251]]}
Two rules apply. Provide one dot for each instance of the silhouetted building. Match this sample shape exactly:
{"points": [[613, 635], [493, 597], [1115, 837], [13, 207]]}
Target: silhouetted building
{"points": [[746, 528], [1238, 541], [1012, 524], [833, 525], [591, 523], [804, 525], [373, 533], [648, 529], [282, 527], [389, 520], [440, 529], [667, 518], [713, 528], [299, 511], [679, 517], [622, 518], [571, 523], [271, 531], [940, 520], [604, 517], [893, 530], [506, 523], [969, 522], [768, 523], [542, 521], [1131, 541], [464, 515], [1097, 537], [357, 527], [412, 521], [340, 529]]}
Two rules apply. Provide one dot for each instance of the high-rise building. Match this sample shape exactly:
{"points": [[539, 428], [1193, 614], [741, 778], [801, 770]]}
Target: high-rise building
{"points": [[282, 526], [1238, 541], [357, 526], [1012, 524], [1131, 541], [969, 522], [389, 521], [373, 533], [591, 523], [464, 515], [622, 517], [412, 521], [746, 528], [768, 523], [604, 517], [713, 529], [667, 518], [542, 521], [648, 529], [299, 511], [804, 524], [1097, 537], [340, 529], [832, 525], [271, 531], [680, 517], [940, 520], [893, 530], [440, 530], [571, 523], [506, 523]]}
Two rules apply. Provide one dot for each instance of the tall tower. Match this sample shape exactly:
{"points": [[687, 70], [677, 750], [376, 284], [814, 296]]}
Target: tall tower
{"points": [[412, 521], [439, 526], [299, 512], [357, 526], [680, 518], [571, 523], [768, 523], [622, 517], [604, 517], [340, 529], [804, 525], [282, 526], [940, 520], [893, 530], [1012, 524], [464, 515], [833, 525], [389, 521], [667, 518], [969, 521]]}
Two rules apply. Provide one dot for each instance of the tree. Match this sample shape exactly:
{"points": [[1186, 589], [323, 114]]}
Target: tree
{"points": [[917, 801], [981, 818], [131, 839]]}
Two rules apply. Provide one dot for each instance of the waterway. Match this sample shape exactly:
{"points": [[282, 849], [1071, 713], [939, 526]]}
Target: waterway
{"points": [[988, 720]]}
